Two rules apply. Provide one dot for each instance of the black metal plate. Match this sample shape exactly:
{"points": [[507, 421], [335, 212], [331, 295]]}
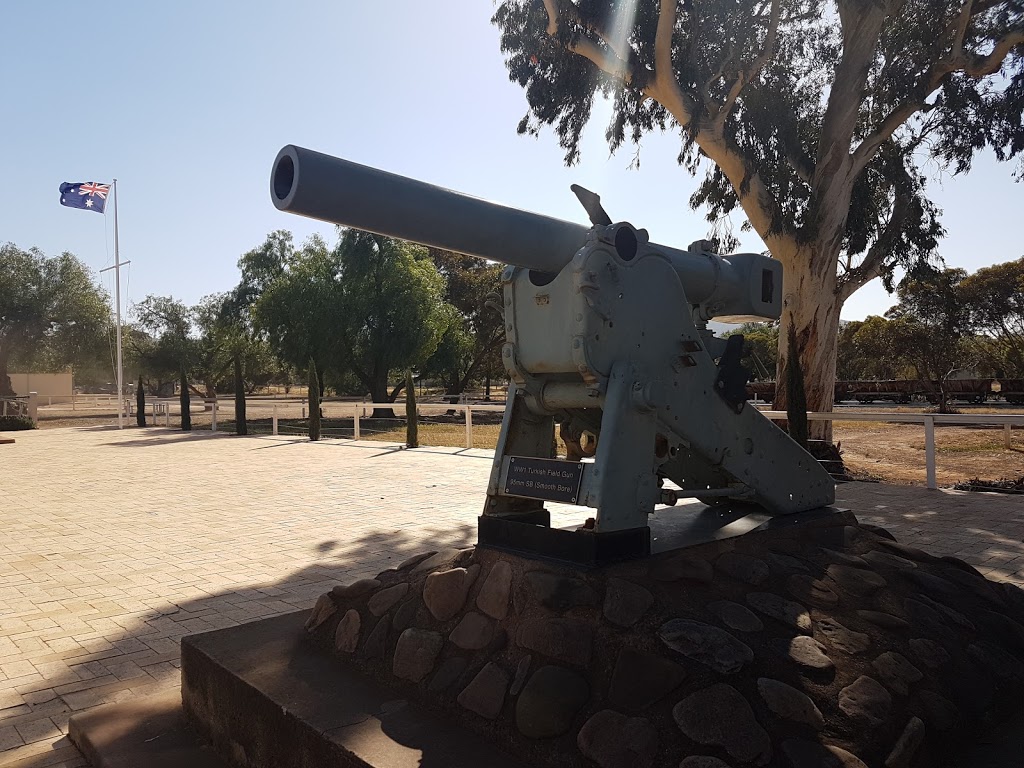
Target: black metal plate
{"points": [[548, 479]]}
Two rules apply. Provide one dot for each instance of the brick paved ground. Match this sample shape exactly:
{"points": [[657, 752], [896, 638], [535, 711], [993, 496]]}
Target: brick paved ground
{"points": [[115, 545]]}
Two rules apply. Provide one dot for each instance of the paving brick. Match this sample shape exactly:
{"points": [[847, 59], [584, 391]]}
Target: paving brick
{"points": [[101, 574]]}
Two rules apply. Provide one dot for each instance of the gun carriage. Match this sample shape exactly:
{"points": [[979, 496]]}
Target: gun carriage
{"points": [[606, 334]]}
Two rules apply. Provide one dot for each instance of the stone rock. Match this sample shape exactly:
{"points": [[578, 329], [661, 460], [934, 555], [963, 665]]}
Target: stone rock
{"points": [[356, 589], [789, 613], [902, 754], [702, 761], [1000, 627], [842, 638], [811, 590], [323, 610], [560, 593], [485, 694], [866, 701], [474, 632], [928, 652], [416, 654], [887, 559], [977, 585], [810, 754], [856, 581], [493, 597], [802, 650], [376, 641], [549, 703], [896, 672], [743, 568], [405, 616], [445, 591], [928, 621], [522, 670], [414, 560], [706, 644], [735, 616], [451, 669], [567, 640], [681, 569], [346, 636], [843, 558], [625, 602], [786, 563], [996, 660], [884, 620], [720, 716], [955, 616], [789, 703], [382, 601], [911, 553], [435, 560], [613, 740], [877, 530], [640, 679], [936, 585], [938, 712], [961, 565]]}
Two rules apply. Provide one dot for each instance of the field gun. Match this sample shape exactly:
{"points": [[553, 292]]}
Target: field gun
{"points": [[606, 334]]}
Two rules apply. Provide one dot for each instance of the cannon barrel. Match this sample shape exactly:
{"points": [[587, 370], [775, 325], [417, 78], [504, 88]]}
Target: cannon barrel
{"points": [[342, 192]]}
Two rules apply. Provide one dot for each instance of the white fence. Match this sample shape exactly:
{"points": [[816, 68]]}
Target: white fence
{"points": [[358, 411], [928, 420]]}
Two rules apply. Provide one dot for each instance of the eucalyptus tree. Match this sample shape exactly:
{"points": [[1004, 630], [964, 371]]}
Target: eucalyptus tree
{"points": [[51, 313], [811, 118]]}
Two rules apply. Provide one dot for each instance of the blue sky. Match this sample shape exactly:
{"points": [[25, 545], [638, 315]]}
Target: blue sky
{"points": [[187, 104]]}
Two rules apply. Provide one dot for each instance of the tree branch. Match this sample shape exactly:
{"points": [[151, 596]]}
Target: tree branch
{"points": [[750, 73], [610, 61]]}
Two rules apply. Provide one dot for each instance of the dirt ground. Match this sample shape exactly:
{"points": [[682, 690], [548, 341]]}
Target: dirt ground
{"points": [[892, 453]]}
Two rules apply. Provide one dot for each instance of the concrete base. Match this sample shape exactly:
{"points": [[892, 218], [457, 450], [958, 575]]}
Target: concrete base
{"points": [[264, 696], [150, 732]]}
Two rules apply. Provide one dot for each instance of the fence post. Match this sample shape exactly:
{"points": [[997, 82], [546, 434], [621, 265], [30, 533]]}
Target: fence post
{"points": [[1006, 435], [33, 407], [167, 414], [273, 421], [49, 400], [469, 426], [213, 425], [355, 421], [929, 452]]}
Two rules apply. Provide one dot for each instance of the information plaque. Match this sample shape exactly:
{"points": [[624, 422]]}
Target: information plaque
{"points": [[548, 479]]}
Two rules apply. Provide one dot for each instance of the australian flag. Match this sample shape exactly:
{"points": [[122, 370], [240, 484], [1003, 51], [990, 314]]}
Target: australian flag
{"points": [[85, 194]]}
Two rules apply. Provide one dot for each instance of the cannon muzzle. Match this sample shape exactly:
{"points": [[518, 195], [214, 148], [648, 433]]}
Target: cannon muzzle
{"points": [[739, 287]]}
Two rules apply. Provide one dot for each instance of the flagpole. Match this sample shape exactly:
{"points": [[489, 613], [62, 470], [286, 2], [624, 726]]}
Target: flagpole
{"points": [[117, 289]]}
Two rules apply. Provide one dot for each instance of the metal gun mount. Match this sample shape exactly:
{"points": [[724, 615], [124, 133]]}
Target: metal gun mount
{"points": [[606, 334]]}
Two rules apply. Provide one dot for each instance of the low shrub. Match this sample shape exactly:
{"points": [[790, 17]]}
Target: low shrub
{"points": [[15, 423]]}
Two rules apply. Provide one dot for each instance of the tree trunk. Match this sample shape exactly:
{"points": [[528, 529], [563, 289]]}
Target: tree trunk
{"points": [[6, 390], [240, 426], [810, 306], [185, 400], [140, 403], [379, 394]]}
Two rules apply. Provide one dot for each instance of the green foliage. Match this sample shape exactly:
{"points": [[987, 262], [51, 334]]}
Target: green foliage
{"points": [[995, 296], [313, 382], [15, 423], [140, 403], [760, 348], [369, 307], [184, 401], [796, 399], [412, 422], [51, 314], [471, 343]]}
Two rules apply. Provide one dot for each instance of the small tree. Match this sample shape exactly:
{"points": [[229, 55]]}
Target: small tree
{"points": [[240, 426], [185, 401], [412, 427], [314, 402], [796, 398], [140, 403]]}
